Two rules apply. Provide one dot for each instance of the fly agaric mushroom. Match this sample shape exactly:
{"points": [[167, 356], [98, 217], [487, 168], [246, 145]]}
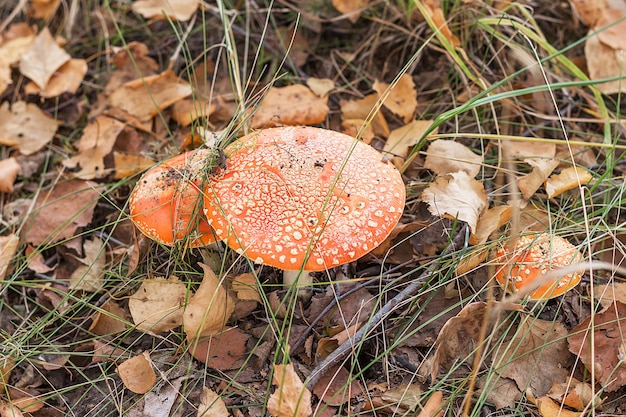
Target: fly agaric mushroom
{"points": [[531, 258], [303, 199], [166, 204]]}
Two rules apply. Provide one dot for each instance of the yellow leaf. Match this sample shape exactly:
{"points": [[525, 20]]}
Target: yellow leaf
{"points": [[137, 373], [400, 98], [291, 398], [569, 179]]}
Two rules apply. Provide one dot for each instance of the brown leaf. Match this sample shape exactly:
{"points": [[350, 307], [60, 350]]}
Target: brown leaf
{"points": [[89, 275], [43, 9], [490, 221], [127, 165], [137, 373], [190, 109], [9, 168], [26, 126], [605, 62], [542, 168], [94, 145], [570, 178], [367, 109], [337, 387], [223, 351], [246, 287], [400, 98], [536, 357], [456, 195], [59, 212], [66, 79], [447, 156], [320, 86], [157, 306], [291, 398], [42, 59], [608, 345], [208, 309], [8, 248], [434, 406], [109, 321], [146, 97], [211, 404], [292, 105], [351, 8], [402, 139], [439, 20], [181, 10]]}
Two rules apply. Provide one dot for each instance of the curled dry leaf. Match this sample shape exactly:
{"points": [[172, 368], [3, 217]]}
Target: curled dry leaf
{"points": [[9, 410], [137, 373], [447, 156], [569, 179], [291, 398], [25, 126], [549, 408], [211, 404], [166, 9], [9, 168], [542, 168], [292, 106], [400, 98], [157, 306], [439, 21], [246, 287], [490, 221], [209, 308], [43, 58], [456, 195]]}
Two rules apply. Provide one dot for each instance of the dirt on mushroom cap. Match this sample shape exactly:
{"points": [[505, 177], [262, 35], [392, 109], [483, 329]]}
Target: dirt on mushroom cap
{"points": [[166, 204], [304, 197]]}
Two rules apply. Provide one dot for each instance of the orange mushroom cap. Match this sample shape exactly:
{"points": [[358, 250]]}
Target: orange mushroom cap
{"points": [[304, 198], [166, 204], [531, 258]]}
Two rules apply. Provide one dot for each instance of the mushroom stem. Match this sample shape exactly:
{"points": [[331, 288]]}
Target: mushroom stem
{"points": [[299, 278]]}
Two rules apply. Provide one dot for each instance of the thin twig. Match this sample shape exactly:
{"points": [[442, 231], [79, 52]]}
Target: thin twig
{"points": [[338, 354]]}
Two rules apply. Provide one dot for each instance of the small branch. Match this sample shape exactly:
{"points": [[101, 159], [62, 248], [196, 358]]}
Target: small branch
{"points": [[338, 354]]}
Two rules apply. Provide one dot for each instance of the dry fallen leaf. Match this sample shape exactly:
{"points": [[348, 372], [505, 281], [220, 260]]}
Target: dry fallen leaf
{"points": [[402, 139], [549, 408], [66, 79], [291, 398], [110, 320], [574, 394], [609, 348], [127, 165], [542, 168], [439, 20], [292, 106], [145, 97], [456, 195], [351, 8], [224, 351], [42, 59], [434, 406], [9, 410], [569, 179], [367, 109], [320, 86], [447, 156], [26, 126], [208, 309], [93, 146], [8, 248], [211, 404], [246, 287], [9, 168], [400, 98], [166, 9], [157, 306], [137, 373], [89, 276], [59, 212], [490, 221], [537, 356], [43, 9]]}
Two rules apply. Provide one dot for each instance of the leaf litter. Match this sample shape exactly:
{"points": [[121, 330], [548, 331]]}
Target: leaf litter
{"points": [[141, 112]]}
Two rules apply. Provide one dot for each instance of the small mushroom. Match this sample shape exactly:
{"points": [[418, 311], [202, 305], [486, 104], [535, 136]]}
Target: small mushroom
{"points": [[304, 198], [166, 204], [532, 257]]}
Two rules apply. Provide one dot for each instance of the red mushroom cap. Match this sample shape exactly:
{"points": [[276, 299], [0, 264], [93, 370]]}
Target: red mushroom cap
{"points": [[166, 204], [304, 198], [531, 258]]}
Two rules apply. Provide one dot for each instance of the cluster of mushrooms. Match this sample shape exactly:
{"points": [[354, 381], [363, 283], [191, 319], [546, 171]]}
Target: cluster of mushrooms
{"points": [[305, 199]]}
